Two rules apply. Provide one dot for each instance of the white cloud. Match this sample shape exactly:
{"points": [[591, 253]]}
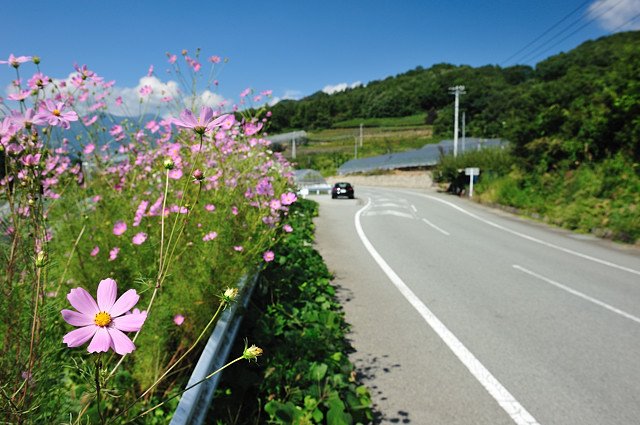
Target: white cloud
{"points": [[158, 98], [131, 105], [340, 87], [292, 94], [616, 15]]}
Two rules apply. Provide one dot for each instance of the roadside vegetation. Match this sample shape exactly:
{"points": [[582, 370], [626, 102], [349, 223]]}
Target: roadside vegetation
{"points": [[304, 376], [119, 256]]}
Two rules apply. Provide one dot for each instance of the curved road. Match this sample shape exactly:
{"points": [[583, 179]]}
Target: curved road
{"points": [[462, 314]]}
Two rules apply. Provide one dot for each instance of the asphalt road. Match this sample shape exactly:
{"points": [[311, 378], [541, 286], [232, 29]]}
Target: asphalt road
{"points": [[462, 314]]}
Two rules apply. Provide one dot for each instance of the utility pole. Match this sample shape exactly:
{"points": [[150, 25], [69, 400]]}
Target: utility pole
{"points": [[360, 134], [457, 91], [355, 153], [464, 121], [293, 148]]}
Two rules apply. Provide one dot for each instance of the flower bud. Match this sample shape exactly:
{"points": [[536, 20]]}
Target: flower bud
{"points": [[252, 353], [168, 164], [198, 175], [36, 60], [41, 259], [231, 293]]}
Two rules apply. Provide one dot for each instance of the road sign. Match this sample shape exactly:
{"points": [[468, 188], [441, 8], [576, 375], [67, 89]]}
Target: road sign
{"points": [[471, 171]]}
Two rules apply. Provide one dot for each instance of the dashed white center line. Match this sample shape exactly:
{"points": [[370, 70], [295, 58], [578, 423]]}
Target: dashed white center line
{"points": [[500, 394], [578, 294]]}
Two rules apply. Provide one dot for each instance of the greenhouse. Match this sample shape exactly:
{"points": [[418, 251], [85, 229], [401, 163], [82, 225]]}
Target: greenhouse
{"points": [[424, 157]]}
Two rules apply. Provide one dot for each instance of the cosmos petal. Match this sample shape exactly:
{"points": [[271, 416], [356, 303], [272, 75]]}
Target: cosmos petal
{"points": [[121, 343], [107, 292], [82, 301], [124, 303], [77, 319], [130, 322], [101, 340], [206, 114], [79, 336]]}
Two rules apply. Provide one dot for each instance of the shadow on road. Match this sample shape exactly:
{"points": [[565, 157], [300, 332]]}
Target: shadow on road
{"points": [[368, 367]]}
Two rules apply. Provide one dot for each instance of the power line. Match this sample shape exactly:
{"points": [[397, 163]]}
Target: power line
{"points": [[545, 33], [572, 33], [538, 50]]}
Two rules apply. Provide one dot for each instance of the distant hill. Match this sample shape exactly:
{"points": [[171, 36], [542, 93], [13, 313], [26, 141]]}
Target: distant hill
{"points": [[588, 97]]}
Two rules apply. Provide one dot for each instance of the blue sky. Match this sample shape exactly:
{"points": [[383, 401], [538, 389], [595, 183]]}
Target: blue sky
{"points": [[296, 48]]}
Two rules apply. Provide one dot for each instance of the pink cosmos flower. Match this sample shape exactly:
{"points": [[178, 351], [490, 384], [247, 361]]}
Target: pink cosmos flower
{"points": [[95, 251], [173, 59], [7, 130], [238, 248], [150, 72], [245, 92], [20, 120], [178, 319], [210, 207], [115, 130], [86, 73], [30, 160], [37, 81], [19, 96], [288, 198], [89, 148], [118, 100], [53, 114], [228, 122], [210, 236], [113, 254], [16, 61], [146, 90], [287, 228], [105, 321], [89, 120], [175, 174], [214, 59], [268, 256], [140, 238], [250, 129], [275, 204], [202, 123], [119, 227]]}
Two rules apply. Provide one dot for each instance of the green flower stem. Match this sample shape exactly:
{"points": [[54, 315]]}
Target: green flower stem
{"points": [[73, 249], [97, 379], [183, 391], [204, 331]]}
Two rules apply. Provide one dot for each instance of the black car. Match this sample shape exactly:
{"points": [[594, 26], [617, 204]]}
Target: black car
{"points": [[342, 189]]}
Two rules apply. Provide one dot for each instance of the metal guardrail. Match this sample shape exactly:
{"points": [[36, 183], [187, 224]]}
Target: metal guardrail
{"points": [[194, 404]]}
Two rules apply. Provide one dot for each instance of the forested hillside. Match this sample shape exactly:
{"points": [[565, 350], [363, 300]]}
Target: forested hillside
{"points": [[589, 98], [573, 122]]}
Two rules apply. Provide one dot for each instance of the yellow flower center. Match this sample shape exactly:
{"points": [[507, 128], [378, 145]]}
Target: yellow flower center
{"points": [[56, 112], [102, 319]]}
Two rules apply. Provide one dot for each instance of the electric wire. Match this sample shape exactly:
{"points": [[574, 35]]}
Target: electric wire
{"points": [[537, 51], [546, 32], [537, 54]]}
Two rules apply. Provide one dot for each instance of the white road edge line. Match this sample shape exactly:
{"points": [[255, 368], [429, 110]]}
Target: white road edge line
{"points": [[531, 238], [578, 294], [510, 405]]}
